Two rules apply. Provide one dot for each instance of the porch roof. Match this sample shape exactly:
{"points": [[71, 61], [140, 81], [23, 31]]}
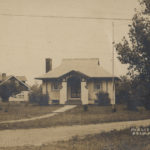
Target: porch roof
{"points": [[89, 67]]}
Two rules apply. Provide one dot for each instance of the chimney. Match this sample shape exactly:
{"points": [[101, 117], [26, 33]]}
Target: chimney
{"points": [[3, 76], [48, 64]]}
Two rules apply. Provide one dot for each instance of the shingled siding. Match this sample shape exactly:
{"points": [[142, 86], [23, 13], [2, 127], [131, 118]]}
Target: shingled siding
{"points": [[53, 94], [106, 86]]}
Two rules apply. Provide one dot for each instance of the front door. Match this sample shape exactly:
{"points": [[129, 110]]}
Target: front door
{"points": [[75, 86]]}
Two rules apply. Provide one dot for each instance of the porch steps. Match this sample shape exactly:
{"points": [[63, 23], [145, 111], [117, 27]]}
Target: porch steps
{"points": [[73, 102]]}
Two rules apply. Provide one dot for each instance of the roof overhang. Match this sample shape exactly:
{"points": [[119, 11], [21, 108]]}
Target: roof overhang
{"points": [[64, 75], [17, 80]]}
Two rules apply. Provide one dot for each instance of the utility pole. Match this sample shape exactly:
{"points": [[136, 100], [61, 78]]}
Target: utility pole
{"points": [[113, 84]]}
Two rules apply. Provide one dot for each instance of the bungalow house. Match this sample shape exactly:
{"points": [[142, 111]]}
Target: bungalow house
{"points": [[21, 81], [76, 80]]}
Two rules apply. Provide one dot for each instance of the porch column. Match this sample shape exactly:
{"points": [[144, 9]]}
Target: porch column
{"points": [[63, 93], [84, 93]]}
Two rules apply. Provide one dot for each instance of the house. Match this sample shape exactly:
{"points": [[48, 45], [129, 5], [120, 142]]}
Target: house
{"points": [[21, 97], [76, 80], [21, 81]]}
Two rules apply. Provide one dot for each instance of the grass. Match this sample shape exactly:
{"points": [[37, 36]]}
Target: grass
{"points": [[76, 116], [115, 140], [16, 111]]}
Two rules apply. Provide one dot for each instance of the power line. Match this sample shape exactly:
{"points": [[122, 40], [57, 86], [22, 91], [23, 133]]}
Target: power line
{"points": [[66, 17]]}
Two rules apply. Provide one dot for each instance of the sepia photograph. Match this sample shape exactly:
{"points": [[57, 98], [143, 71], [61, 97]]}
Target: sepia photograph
{"points": [[74, 74]]}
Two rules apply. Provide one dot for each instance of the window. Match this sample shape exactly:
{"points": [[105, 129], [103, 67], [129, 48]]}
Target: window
{"points": [[98, 86], [55, 85]]}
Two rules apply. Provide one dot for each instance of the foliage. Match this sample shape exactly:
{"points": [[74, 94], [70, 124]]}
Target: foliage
{"points": [[9, 88], [103, 98], [135, 51], [146, 5], [123, 90], [131, 92], [36, 96], [44, 100]]}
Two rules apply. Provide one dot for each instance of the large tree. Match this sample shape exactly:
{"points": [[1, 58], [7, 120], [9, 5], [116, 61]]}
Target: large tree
{"points": [[135, 51], [9, 88]]}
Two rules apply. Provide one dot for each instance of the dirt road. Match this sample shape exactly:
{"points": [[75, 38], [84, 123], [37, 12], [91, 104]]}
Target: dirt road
{"points": [[47, 135]]}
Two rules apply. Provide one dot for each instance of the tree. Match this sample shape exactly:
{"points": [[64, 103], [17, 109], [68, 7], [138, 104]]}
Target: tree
{"points": [[36, 96], [135, 51], [130, 92], [123, 90], [9, 88]]}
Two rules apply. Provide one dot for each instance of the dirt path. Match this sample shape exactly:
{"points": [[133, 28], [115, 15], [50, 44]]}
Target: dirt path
{"points": [[60, 110], [47, 135]]}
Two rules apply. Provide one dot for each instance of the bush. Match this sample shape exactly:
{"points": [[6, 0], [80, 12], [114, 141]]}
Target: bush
{"points": [[36, 96], [123, 90], [132, 105], [132, 93], [146, 102], [103, 98], [39, 98], [44, 100]]}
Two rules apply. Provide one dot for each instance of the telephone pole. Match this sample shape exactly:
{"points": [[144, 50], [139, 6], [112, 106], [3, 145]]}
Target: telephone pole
{"points": [[113, 80]]}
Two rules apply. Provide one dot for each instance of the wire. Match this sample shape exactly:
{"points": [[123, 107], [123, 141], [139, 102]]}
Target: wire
{"points": [[66, 17]]}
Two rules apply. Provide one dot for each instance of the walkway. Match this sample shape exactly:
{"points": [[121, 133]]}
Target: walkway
{"points": [[60, 110], [47, 135]]}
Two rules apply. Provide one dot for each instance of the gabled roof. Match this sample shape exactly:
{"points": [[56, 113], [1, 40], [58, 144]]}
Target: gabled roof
{"points": [[21, 78], [10, 77], [88, 66]]}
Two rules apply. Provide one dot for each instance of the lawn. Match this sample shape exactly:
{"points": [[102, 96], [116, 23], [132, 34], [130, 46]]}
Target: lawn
{"points": [[76, 116], [114, 140], [16, 111]]}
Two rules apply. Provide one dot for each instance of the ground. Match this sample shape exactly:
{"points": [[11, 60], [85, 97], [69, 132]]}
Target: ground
{"points": [[14, 111], [93, 122], [115, 140], [76, 116]]}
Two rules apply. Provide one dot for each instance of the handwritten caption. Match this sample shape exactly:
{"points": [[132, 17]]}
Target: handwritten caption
{"points": [[140, 130]]}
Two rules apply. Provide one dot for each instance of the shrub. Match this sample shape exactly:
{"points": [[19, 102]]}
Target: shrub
{"points": [[132, 105], [39, 98], [123, 90], [44, 100], [146, 102], [103, 98], [36, 96]]}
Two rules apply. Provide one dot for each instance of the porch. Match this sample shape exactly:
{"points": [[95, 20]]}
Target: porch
{"points": [[74, 89]]}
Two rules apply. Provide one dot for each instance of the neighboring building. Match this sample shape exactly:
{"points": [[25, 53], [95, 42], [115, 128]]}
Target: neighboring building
{"points": [[21, 80], [76, 80], [21, 97]]}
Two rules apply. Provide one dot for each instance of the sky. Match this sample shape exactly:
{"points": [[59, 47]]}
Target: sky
{"points": [[28, 35]]}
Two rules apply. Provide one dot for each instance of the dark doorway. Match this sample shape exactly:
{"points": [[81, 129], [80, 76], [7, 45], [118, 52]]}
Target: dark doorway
{"points": [[75, 87]]}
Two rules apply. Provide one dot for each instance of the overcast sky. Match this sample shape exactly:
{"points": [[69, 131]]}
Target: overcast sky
{"points": [[25, 41]]}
